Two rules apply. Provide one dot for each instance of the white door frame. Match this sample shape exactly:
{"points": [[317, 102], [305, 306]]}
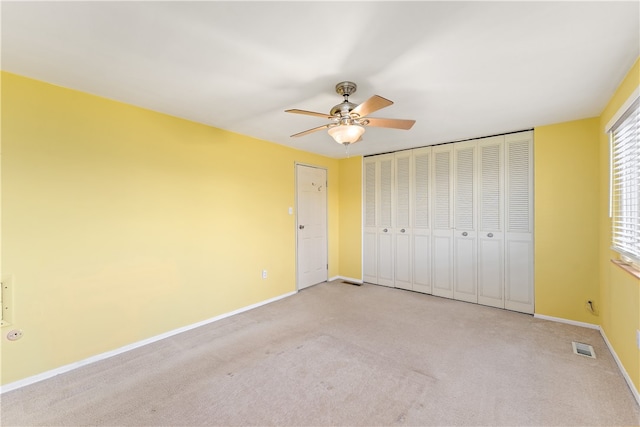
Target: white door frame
{"points": [[297, 164]]}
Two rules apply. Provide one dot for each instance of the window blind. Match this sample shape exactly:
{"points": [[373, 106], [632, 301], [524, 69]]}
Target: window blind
{"points": [[625, 183]]}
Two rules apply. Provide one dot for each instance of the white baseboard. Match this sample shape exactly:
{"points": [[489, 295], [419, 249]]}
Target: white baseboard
{"points": [[348, 279], [567, 321], [75, 365], [627, 378]]}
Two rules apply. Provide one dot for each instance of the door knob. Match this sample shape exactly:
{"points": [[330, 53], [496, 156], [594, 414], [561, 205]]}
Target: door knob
{"points": [[490, 235], [402, 231], [465, 233], [301, 227], [385, 230]]}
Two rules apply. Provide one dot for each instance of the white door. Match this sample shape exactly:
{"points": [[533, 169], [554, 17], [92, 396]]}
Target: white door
{"points": [[402, 233], [519, 222], [311, 199], [369, 244], [421, 196], [442, 237], [385, 222], [491, 222], [465, 234]]}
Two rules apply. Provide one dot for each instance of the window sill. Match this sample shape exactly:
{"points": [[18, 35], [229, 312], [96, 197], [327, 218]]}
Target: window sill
{"points": [[627, 267]]}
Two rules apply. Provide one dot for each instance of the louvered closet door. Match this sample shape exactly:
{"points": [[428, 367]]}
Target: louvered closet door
{"points": [[519, 222], [421, 232], [491, 222], [385, 252], [402, 234], [369, 264], [465, 234], [442, 236]]}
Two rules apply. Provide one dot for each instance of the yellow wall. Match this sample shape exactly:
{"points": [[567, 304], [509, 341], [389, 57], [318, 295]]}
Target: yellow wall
{"points": [[119, 223], [572, 231], [566, 219], [619, 290], [351, 217]]}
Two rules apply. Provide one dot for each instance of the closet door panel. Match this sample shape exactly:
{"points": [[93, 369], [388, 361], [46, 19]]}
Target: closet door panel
{"points": [[421, 232], [491, 222], [422, 263], [519, 274], [465, 234], [442, 266], [369, 265], [465, 269], [519, 222], [442, 235], [385, 259], [370, 240], [402, 220], [491, 271], [403, 261]]}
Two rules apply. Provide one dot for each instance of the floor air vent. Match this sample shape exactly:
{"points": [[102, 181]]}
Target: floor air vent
{"points": [[583, 349]]}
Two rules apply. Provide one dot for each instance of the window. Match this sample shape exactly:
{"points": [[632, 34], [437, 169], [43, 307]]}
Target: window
{"points": [[624, 133]]}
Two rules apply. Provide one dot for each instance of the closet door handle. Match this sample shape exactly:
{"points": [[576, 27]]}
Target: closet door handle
{"points": [[402, 231], [464, 233], [490, 235], [385, 230]]}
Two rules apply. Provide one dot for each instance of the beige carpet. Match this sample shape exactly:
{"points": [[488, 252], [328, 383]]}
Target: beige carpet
{"points": [[338, 354]]}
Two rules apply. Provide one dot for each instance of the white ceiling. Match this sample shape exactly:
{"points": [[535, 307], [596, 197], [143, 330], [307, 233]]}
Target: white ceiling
{"points": [[460, 69]]}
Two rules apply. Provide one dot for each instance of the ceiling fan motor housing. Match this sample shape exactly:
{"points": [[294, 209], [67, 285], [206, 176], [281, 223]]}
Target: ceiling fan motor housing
{"points": [[344, 108]]}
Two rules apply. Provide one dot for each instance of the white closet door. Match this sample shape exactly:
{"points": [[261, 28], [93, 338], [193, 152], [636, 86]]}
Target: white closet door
{"points": [[519, 222], [385, 222], [453, 220], [465, 234], [402, 224], [421, 231], [491, 221], [442, 235], [370, 253]]}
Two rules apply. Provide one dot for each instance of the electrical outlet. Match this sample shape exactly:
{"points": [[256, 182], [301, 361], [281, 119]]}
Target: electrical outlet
{"points": [[264, 274], [14, 335]]}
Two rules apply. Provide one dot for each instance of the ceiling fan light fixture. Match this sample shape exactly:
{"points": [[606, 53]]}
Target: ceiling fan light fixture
{"points": [[348, 119], [346, 134]]}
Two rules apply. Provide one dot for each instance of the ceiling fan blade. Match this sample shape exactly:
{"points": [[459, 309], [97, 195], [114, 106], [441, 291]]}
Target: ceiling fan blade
{"points": [[308, 131], [390, 123], [372, 104], [309, 113]]}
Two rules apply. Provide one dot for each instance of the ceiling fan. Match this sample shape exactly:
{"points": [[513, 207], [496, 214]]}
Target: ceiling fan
{"points": [[348, 120]]}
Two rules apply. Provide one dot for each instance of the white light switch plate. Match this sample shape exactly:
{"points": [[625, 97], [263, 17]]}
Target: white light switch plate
{"points": [[638, 338]]}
